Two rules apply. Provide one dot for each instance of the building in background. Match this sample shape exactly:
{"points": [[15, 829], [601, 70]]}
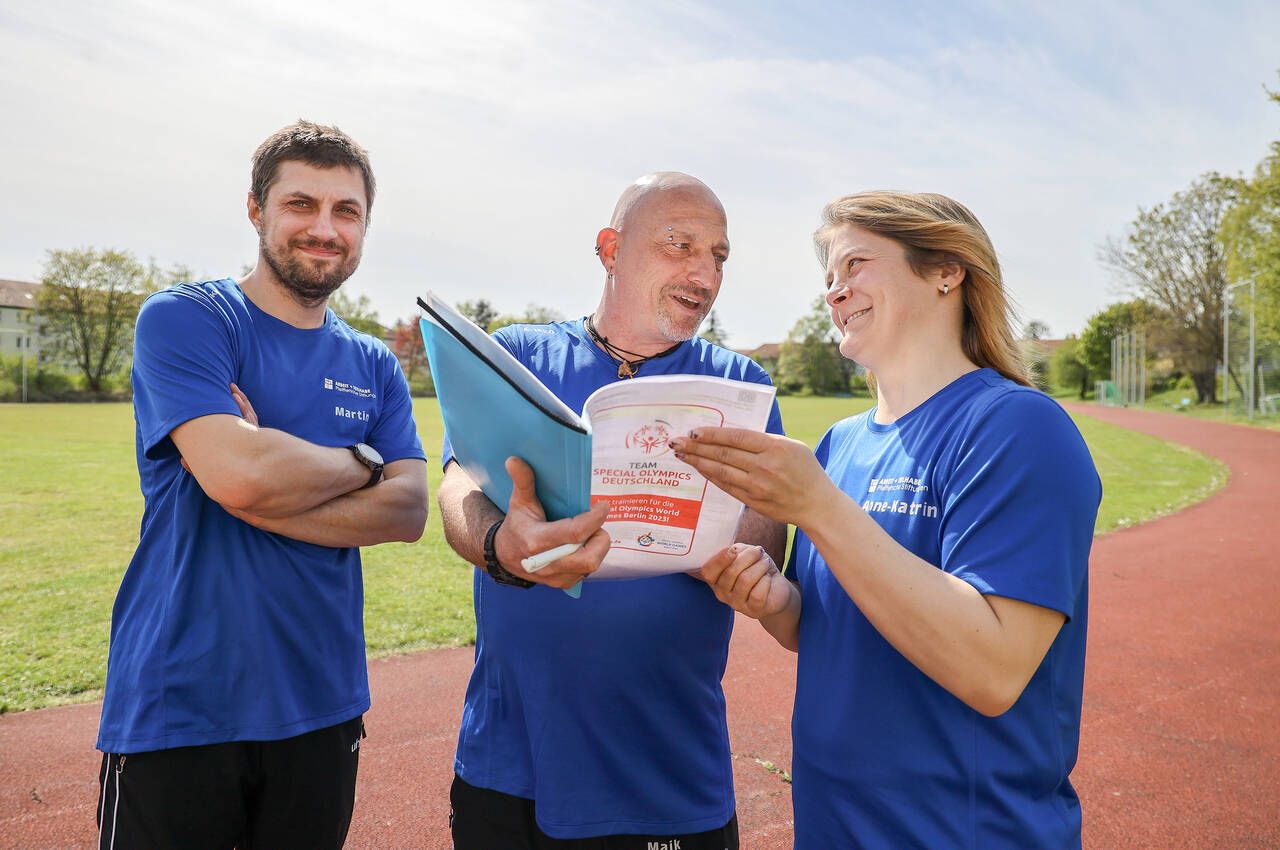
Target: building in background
{"points": [[20, 324], [766, 355]]}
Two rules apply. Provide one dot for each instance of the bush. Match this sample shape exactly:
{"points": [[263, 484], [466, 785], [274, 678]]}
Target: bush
{"points": [[1163, 376], [1066, 370], [858, 387], [11, 377], [48, 383], [54, 383], [117, 385], [421, 385]]}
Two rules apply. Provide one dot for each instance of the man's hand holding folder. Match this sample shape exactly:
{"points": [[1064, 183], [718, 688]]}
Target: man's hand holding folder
{"points": [[526, 532]]}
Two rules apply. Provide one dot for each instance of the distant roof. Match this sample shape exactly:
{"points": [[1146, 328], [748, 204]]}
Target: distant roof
{"points": [[18, 293], [1046, 346], [768, 351]]}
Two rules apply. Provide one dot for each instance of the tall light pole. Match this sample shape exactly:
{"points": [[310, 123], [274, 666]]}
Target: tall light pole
{"points": [[1226, 340]]}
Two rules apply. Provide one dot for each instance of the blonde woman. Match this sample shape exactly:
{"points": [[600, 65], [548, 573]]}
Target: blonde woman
{"points": [[938, 581]]}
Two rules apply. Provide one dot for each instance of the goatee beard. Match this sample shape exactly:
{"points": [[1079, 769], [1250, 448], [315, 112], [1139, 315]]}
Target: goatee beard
{"points": [[674, 329], [305, 283]]}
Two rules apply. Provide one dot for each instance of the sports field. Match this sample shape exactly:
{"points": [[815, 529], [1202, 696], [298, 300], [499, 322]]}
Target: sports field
{"points": [[70, 508]]}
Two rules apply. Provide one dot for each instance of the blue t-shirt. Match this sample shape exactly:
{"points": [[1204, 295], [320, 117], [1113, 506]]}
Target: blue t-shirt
{"points": [[220, 631], [606, 710], [992, 483]]}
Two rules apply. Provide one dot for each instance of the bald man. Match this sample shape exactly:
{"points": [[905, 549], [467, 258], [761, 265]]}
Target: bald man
{"points": [[600, 722]]}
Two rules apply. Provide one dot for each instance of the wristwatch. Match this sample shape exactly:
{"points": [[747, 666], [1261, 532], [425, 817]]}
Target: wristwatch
{"points": [[369, 456], [499, 572]]}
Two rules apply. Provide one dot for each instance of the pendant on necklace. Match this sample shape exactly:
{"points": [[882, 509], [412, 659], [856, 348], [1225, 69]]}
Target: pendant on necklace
{"points": [[626, 370]]}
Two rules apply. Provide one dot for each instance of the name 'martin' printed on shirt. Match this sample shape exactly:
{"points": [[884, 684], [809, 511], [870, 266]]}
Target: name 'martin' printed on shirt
{"points": [[347, 413]]}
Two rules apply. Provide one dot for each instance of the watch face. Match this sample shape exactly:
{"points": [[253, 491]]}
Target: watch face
{"points": [[369, 452]]}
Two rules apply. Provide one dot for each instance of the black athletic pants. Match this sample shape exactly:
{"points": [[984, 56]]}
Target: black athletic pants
{"points": [[483, 819], [252, 795]]}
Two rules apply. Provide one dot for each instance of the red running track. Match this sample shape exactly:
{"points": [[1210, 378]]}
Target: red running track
{"points": [[1180, 746]]}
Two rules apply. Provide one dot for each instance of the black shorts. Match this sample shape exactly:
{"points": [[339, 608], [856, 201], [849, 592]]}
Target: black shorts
{"points": [[297, 792], [483, 819]]}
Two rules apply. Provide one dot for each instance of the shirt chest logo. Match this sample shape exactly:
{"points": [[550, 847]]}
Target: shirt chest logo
{"points": [[901, 484], [914, 501], [349, 388]]}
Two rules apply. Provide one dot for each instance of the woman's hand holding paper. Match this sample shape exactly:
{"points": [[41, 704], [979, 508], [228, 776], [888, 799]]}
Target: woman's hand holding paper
{"points": [[746, 579], [770, 474]]}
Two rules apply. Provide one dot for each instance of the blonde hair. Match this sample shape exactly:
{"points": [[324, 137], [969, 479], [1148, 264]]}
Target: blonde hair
{"points": [[934, 229]]}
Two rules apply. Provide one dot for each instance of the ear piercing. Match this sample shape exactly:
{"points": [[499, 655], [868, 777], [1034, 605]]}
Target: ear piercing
{"points": [[946, 288]]}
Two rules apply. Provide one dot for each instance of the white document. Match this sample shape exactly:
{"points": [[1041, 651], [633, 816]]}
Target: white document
{"points": [[665, 516]]}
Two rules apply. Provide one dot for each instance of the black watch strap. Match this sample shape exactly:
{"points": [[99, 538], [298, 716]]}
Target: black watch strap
{"points": [[366, 454], [495, 569]]}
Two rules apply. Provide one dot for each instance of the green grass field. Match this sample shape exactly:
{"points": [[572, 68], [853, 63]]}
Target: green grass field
{"points": [[70, 509], [1170, 401]]}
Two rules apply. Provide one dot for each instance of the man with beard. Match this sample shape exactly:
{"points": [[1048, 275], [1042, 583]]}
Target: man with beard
{"points": [[600, 722], [236, 682]]}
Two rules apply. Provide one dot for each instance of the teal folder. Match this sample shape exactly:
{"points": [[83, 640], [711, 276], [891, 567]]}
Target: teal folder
{"points": [[494, 407]]}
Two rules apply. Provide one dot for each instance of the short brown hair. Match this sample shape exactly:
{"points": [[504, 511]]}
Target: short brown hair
{"points": [[314, 144], [934, 229]]}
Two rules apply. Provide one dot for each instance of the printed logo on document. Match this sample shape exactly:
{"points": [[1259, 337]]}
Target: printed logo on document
{"points": [[651, 438]]}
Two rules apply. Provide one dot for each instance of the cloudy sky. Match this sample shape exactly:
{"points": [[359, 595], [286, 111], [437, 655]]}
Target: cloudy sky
{"points": [[502, 131]]}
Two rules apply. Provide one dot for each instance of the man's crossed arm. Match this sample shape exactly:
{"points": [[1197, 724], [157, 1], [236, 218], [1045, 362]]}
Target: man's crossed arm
{"points": [[286, 485]]}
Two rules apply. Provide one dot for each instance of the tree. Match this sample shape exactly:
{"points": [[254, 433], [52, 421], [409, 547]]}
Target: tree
{"points": [[1067, 369], [406, 345], [1174, 258], [1035, 354], [1094, 349], [357, 312], [713, 331], [1035, 329], [1251, 231], [533, 314], [89, 303], [810, 359], [479, 311], [158, 278]]}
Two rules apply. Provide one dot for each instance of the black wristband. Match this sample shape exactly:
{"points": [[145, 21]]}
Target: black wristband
{"points": [[495, 569]]}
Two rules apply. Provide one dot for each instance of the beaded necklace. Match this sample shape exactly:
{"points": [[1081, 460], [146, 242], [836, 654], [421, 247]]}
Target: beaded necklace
{"points": [[628, 367]]}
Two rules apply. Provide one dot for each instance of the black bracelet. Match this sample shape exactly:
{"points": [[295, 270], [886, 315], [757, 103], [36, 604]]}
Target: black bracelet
{"points": [[495, 569]]}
